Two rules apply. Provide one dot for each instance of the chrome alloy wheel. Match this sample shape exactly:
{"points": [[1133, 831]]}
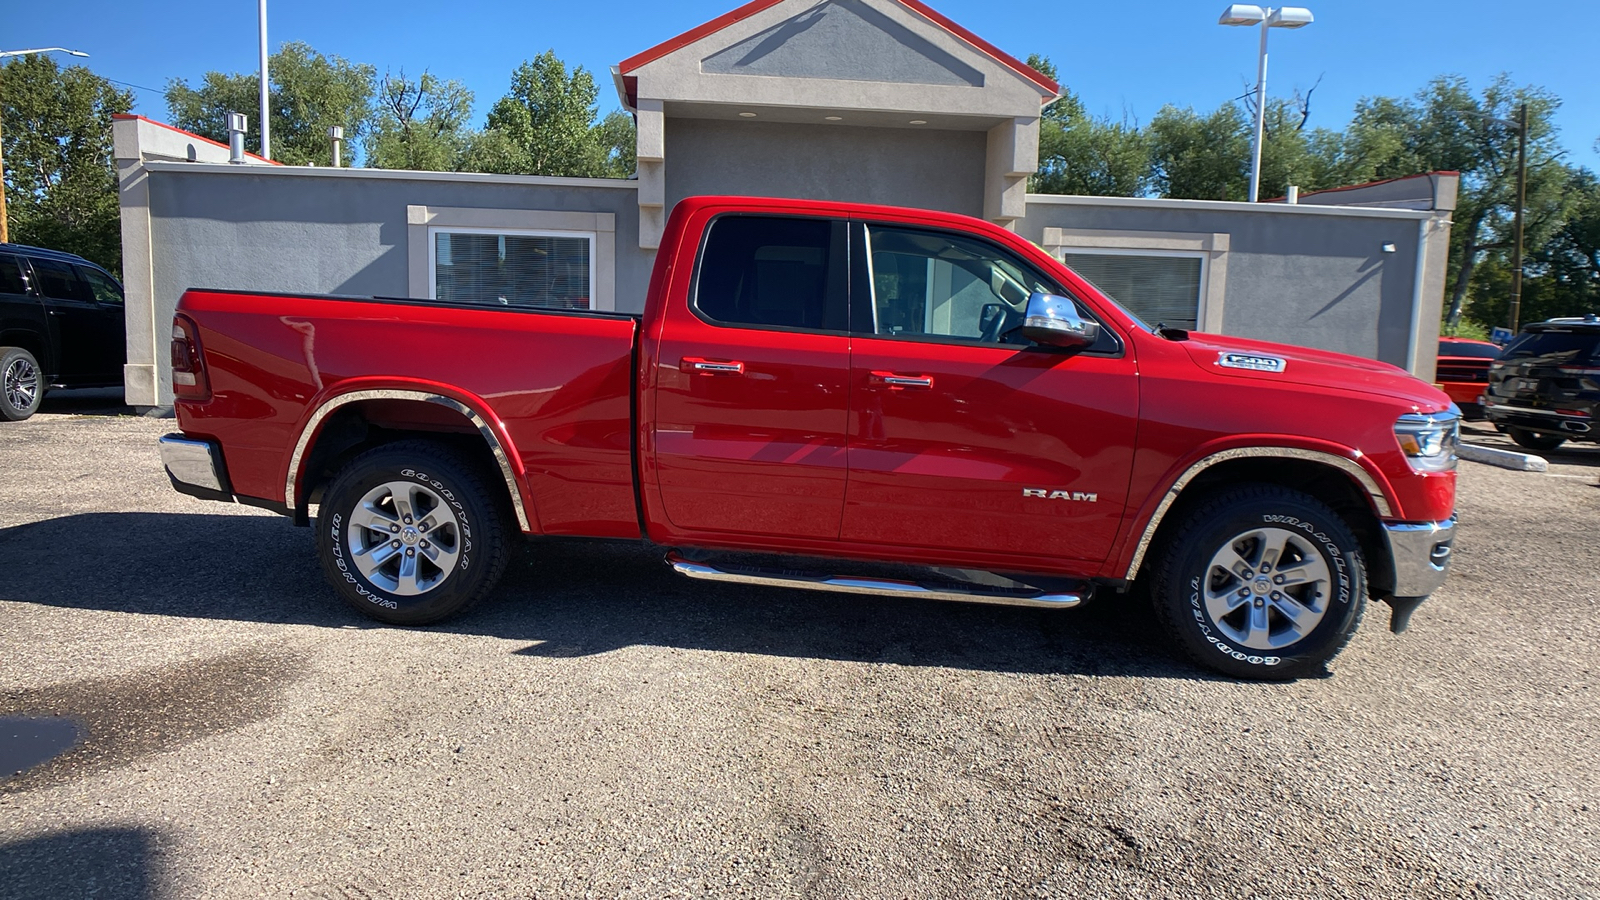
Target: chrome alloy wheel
{"points": [[1267, 588], [404, 538], [21, 384]]}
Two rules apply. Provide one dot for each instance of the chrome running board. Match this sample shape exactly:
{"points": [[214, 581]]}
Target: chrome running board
{"points": [[879, 586]]}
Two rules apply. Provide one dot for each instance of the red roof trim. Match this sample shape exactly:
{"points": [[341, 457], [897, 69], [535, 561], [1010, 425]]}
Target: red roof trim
{"points": [[1367, 184], [1006, 59], [757, 6], [198, 137], [695, 34]]}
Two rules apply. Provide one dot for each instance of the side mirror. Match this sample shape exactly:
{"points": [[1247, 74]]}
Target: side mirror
{"points": [[1053, 321]]}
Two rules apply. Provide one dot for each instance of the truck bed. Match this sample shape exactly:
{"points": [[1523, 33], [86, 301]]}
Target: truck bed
{"points": [[556, 386]]}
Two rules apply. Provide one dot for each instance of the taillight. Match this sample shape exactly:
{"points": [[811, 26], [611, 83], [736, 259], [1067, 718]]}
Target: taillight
{"points": [[188, 372]]}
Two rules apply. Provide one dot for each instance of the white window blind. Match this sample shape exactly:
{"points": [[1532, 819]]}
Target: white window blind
{"points": [[1158, 289], [543, 270]]}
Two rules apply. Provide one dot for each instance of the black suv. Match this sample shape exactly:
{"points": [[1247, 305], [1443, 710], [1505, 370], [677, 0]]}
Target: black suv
{"points": [[61, 326], [1545, 388]]}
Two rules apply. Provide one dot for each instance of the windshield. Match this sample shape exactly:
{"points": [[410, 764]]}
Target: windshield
{"points": [[1471, 349], [1571, 345]]}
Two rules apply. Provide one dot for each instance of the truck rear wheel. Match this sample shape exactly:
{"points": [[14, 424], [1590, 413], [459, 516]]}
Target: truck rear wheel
{"points": [[409, 534], [21, 384], [1261, 582]]}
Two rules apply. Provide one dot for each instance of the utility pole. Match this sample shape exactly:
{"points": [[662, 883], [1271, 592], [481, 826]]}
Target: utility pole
{"points": [[1522, 194]]}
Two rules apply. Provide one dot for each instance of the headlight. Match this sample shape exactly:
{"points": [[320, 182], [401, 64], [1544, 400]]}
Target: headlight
{"points": [[1429, 440]]}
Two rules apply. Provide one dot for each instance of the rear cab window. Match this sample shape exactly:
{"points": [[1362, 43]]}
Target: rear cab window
{"points": [[773, 273]]}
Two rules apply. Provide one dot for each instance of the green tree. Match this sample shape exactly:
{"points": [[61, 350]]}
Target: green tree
{"points": [[546, 126], [1562, 275], [1079, 154], [1200, 157], [309, 93], [60, 177], [1446, 127], [420, 125]]}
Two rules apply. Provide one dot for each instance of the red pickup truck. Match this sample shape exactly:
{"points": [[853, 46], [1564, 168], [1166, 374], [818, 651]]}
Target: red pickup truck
{"points": [[838, 397]]}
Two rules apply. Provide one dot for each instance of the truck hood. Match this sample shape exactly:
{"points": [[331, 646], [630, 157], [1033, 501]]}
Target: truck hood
{"points": [[1266, 361]]}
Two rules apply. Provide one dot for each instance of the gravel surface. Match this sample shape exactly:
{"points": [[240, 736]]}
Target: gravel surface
{"points": [[603, 728]]}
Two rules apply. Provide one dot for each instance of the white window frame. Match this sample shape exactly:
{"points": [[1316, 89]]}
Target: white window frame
{"points": [[1210, 247], [433, 249], [424, 222]]}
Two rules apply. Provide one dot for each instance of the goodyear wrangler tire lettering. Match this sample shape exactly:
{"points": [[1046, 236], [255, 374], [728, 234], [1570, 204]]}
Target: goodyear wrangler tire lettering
{"points": [[410, 545], [1260, 581]]}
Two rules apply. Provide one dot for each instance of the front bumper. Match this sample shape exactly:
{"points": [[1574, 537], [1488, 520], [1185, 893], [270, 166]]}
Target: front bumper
{"points": [[196, 467], [1421, 555]]}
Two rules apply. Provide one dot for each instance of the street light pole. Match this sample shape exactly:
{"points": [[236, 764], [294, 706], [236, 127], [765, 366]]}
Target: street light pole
{"points": [[1261, 113], [1522, 194], [5, 229], [266, 120], [1266, 17]]}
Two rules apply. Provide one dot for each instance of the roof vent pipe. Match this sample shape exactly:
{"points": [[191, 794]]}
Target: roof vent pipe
{"points": [[1294, 194], [236, 126]]}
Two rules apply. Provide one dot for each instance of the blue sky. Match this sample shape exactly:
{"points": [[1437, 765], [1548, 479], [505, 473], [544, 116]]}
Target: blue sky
{"points": [[1127, 58]]}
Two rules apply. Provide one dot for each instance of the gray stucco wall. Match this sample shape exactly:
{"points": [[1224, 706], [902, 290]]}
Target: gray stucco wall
{"points": [[899, 166], [303, 232], [1312, 280]]}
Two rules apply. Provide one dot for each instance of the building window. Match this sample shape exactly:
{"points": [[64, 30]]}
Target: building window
{"points": [[553, 270], [1164, 289]]}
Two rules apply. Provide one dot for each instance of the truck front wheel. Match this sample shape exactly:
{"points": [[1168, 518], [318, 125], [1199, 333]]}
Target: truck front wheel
{"points": [[409, 534], [1261, 582]]}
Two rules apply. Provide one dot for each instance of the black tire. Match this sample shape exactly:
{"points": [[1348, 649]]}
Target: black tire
{"points": [[21, 384], [427, 473], [1533, 440], [1246, 520]]}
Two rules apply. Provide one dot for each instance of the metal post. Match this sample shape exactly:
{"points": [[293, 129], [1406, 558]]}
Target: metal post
{"points": [[335, 135], [1261, 110], [266, 137], [1522, 192]]}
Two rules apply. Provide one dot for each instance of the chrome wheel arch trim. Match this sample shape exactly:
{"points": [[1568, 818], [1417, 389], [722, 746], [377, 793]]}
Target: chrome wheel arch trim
{"points": [[1345, 464], [478, 421]]}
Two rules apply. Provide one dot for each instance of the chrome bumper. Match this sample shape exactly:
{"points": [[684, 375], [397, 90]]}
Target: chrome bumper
{"points": [[1421, 554], [195, 467]]}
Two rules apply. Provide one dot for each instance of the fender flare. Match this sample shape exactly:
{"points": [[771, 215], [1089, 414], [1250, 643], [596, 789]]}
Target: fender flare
{"points": [[1380, 501], [479, 421]]}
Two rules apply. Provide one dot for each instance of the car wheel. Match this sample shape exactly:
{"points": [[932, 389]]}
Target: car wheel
{"points": [[1533, 440], [21, 384], [1261, 582], [410, 534]]}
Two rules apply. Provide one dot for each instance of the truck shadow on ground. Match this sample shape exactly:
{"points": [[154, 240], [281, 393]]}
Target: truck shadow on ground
{"points": [[566, 599], [117, 863]]}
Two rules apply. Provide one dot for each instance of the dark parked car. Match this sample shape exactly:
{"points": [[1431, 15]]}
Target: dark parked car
{"points": [[61, 326], [1463, 372], [1544, 389]]}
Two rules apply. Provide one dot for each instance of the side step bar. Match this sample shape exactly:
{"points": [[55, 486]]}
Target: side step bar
{"points": [[879, 586]]}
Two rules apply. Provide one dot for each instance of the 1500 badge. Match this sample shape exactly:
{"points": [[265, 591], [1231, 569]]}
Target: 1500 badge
{"points": [[1044, 494]]}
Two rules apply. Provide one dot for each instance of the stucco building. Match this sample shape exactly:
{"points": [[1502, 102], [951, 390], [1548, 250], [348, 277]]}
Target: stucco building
{"points": [[882, 101]]}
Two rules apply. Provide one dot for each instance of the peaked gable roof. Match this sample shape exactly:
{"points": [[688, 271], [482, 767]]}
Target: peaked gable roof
{"points": [[1046, 86]]}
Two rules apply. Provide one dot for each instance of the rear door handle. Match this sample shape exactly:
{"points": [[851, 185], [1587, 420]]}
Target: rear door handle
{"points": [[700, 366], [896, 381]]}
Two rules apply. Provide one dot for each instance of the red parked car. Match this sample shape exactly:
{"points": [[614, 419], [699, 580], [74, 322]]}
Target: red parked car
{"points": [[1463, 372], [852, 386]]}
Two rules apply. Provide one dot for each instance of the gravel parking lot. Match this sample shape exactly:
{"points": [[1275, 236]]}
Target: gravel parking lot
{"points": [[603, 728]]}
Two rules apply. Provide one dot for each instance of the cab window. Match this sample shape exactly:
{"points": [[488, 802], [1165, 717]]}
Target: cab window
{"points": [[773, 272]]}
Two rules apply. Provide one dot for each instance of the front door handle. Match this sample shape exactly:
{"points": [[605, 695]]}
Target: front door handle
{"points": [[700, 366], [895, 381]]}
